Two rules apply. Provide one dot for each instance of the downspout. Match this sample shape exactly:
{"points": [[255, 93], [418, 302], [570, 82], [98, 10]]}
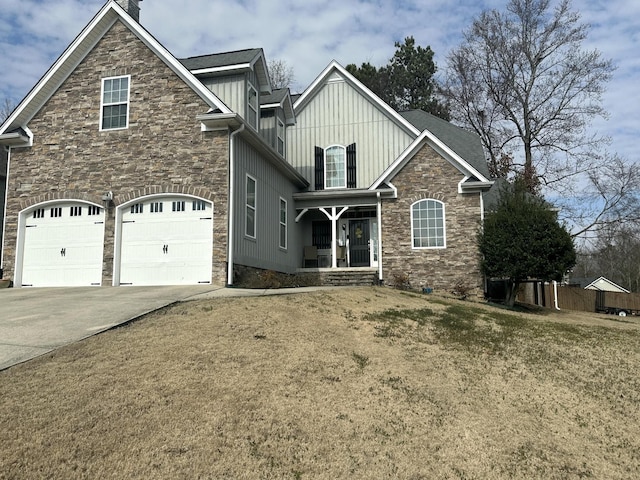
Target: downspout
{"points": [[555, 295], [4, 214], [230, 232], [379, 238]]}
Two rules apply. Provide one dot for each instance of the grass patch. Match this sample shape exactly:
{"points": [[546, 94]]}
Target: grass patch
{"points": [[355, 383]]}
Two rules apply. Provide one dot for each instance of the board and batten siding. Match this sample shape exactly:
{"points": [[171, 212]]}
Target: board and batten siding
{"points": [[232, 90], [340, 115], [271, 185]]}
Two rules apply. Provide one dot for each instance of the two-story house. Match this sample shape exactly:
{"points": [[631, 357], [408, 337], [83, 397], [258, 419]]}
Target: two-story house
{"points": [[128, 166]]}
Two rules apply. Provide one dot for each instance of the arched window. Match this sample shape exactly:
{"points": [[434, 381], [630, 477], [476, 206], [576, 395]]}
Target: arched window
{"points": [[335, 167], [427, 224]]}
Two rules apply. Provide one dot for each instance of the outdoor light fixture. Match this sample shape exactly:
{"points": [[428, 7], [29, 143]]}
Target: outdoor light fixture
{"points": [[107, 196]]}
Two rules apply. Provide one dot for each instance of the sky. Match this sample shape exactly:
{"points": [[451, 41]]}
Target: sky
{"points": [[309, 34]]}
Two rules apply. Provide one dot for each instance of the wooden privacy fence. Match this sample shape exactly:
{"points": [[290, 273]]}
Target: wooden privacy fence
{"points": [[575, 298]]}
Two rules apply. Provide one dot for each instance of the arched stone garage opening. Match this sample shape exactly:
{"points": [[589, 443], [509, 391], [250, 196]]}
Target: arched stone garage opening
{"points": [[164, 239], [60, 244]]}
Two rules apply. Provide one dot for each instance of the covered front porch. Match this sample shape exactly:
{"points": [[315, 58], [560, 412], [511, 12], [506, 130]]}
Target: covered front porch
{"points": [[341, 230]]}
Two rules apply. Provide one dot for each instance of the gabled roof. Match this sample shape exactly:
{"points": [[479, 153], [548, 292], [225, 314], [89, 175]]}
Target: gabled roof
{"points": [[604, 284], [80, 48], [334, 67], [474, 170], [280, 98], [463, 142], [465, 152], [231, 62]]}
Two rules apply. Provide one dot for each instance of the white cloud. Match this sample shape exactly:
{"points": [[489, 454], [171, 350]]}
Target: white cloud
{"points": [[309, 34]]}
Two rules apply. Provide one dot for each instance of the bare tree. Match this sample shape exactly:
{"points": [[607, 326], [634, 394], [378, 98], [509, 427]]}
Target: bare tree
{"points": [[6, 108], [280, 74], [615, 254], [523, 82]]}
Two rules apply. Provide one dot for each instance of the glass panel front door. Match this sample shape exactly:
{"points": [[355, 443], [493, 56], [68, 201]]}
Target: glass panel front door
{"points": [[359, 237]]}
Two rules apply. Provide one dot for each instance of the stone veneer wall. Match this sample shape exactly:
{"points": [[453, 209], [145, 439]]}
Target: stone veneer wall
{"points": [[428, 175], [162, 151]]}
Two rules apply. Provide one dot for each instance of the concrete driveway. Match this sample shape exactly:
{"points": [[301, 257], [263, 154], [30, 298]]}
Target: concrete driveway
{"points": [[34, 321]]}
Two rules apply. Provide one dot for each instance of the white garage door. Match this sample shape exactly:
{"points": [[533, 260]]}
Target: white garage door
{"points": [[63, 244], [167, 241]]}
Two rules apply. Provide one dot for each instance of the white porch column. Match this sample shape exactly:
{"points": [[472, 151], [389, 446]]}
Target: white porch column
{"points": [[334, 232], [379, 213]]}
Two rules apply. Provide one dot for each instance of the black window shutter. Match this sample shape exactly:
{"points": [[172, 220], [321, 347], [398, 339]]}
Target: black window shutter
{"points": [[319, 168], [351, 166]]}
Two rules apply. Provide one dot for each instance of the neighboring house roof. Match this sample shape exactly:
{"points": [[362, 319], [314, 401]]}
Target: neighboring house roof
{"points": [[230, 62], [279, 98], [601, 283], [80, 48]]}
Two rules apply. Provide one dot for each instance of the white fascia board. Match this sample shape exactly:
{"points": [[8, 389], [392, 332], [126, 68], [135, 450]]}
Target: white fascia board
{"points": [[464, 186], [427, 137], [64, 60], [358, 85], [77, 51], [607, 281], [239, 67], [15, 139], [172, 62], [273, 105]]}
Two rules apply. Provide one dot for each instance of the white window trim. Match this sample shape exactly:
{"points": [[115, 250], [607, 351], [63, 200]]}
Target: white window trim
{"points": [[444, 226], [102, 104], [247, 206], [284, 224], [344, 149], [254, 110]]}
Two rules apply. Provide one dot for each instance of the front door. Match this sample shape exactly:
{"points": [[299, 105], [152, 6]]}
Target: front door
{"points": [[359, 242]]}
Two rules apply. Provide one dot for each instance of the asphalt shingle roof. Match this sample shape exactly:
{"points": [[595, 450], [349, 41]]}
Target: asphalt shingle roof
{"points": [[463, 142], [221, 59]]}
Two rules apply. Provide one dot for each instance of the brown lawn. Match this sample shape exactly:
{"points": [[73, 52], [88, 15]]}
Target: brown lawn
{"points": [[361, 383]]}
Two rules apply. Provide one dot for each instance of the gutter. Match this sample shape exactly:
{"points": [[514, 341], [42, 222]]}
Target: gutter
{"points": [[555, 295], [230, 223]]}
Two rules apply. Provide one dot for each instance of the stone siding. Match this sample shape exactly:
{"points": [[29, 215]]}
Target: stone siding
{"points": [[428, 175], [162, 151]]}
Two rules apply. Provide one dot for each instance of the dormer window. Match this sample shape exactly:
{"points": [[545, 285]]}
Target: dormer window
{"points": [[114, 113], [252, 106]]}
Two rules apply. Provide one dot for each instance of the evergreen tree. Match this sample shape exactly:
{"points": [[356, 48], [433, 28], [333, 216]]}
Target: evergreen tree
{"points": [[521, 239]]}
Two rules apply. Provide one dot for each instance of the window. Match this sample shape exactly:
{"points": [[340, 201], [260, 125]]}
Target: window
{"points": [[177, 206], [38, 213], [427, 221], [75, 211], [94, 210], [280, 137], [250, 207], [252, 104], [137, 208], [155, 207], [199, 205], [335, 167], [115, 103], [283, 223], [56, 212], [321, 233]]}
